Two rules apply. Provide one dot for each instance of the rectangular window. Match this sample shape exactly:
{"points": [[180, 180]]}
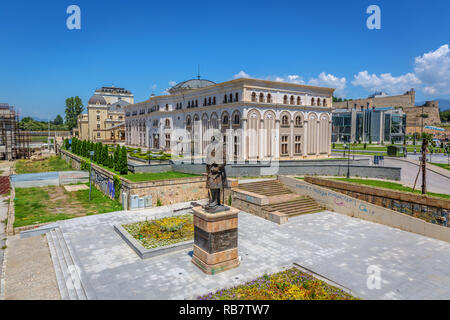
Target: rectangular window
{"points": [[98, 126], [167, 141], [298, 144], [284, 145]]}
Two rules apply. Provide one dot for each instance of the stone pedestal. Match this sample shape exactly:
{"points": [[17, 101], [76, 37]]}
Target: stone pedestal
{"points": [[215, 240]]}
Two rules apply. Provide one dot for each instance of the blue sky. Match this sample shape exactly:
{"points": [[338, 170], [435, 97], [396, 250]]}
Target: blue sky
{"points": [[142, 45]]}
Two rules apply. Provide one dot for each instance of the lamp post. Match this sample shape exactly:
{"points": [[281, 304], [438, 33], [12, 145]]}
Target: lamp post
{"points": [[348, 162], [91, 153]]}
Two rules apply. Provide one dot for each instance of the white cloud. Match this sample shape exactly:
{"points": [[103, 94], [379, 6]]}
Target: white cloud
{"points": [[386, 82], [329, 80], [154, 87], [431, 75], [433, 69], [172, 83], [241, 74]]}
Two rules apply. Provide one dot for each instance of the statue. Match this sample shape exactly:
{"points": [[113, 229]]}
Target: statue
{"points": [[216, 176]]}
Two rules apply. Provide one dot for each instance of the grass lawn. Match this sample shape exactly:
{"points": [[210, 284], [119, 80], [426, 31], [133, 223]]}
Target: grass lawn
{"points": [[378, 147], [291, 284], [46, 204], [54, 163], [150, 176], [390, 185], [442, 165], [162, 232]]}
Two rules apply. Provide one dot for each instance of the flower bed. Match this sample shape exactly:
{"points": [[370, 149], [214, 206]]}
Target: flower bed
{"points": [[291, 284], [162, 232]]}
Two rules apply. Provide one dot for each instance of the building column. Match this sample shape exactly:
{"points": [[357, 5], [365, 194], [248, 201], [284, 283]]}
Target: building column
{"points": [[244, 140], [318, 137], [262, 134], [291, 139], [305, 137], [277, 139]]}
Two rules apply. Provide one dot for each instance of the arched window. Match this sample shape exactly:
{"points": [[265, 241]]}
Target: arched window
{"points": [[253, 97], [167, 123], [269, 98], [225, 120], [261, 97], [324, 102], [285, 99], [299, 101], [285, 120], [189, 104], [298, 121], [196, 103], [236, 97], [188, 121], [225, 98], [231, 97], [237, 119], [204, 102], [209, 101], [214, 100], [312, 102], [318, 101], [292, 99], [167, 107]]}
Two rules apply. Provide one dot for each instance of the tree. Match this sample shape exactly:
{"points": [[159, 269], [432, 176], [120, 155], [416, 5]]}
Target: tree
{"points": [[123, 167], [116, 158], [58, 120], [74, 107]]}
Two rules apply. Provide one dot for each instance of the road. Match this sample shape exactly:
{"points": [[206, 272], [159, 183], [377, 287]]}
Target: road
{"points": [[435, 182]]}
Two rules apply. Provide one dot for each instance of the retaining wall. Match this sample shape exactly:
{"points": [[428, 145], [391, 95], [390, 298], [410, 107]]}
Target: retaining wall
{"points": [[341, 203], [323, 168], [430, 209], [167, 191]]}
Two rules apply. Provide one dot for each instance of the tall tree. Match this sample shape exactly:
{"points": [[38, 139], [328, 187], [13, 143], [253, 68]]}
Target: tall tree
{"points": [[58, 120], [74, 107]]}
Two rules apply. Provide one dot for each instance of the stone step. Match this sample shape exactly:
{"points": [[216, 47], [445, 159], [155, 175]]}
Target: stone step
{"points": [[265, 188], [63, 267], [287, 204], [72, 269], [294, 207], [63, 291]]}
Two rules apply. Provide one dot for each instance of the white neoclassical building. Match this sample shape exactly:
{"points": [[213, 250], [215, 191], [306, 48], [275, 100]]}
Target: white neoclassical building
{"points": [[259, 119]]}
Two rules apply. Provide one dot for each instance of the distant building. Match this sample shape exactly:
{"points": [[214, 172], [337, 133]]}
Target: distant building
{"points": [[414, 119], [14, 143], [105, 117], [376, 125], [259, 119]]}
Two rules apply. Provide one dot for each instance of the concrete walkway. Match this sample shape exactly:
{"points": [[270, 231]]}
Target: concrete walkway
{"points": [[3, 215], [29, 273], [336, 246]]}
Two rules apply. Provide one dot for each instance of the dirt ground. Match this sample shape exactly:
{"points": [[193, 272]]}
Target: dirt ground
{"points": [[62, 201]]}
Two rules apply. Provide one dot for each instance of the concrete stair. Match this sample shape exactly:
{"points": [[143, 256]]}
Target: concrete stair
{"points": [[67, 273], [266, 188], [272, 201], [295, 207]]}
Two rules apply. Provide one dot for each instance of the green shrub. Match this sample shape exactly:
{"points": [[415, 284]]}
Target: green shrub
{"points": [[117, 186], [158, 202]]}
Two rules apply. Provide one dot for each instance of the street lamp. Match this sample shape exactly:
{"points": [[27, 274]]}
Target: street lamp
{"points": [[91, 153], [348, 162]]}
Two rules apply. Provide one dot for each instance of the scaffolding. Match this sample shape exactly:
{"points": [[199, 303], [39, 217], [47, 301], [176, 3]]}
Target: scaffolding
{"points": [[14, 143]]}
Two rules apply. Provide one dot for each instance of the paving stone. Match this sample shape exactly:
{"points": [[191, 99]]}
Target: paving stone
{"points": [[335, 246]]}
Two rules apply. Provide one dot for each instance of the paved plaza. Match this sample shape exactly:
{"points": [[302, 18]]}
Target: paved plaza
{"points": [[335, 246]]}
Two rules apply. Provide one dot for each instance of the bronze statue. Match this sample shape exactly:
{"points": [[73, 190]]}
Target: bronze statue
{"points": [[216, 175]]}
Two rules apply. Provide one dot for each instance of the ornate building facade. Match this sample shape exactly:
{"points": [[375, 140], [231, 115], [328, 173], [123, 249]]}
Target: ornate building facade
{"points": [[105, 117], [258, 119]]}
